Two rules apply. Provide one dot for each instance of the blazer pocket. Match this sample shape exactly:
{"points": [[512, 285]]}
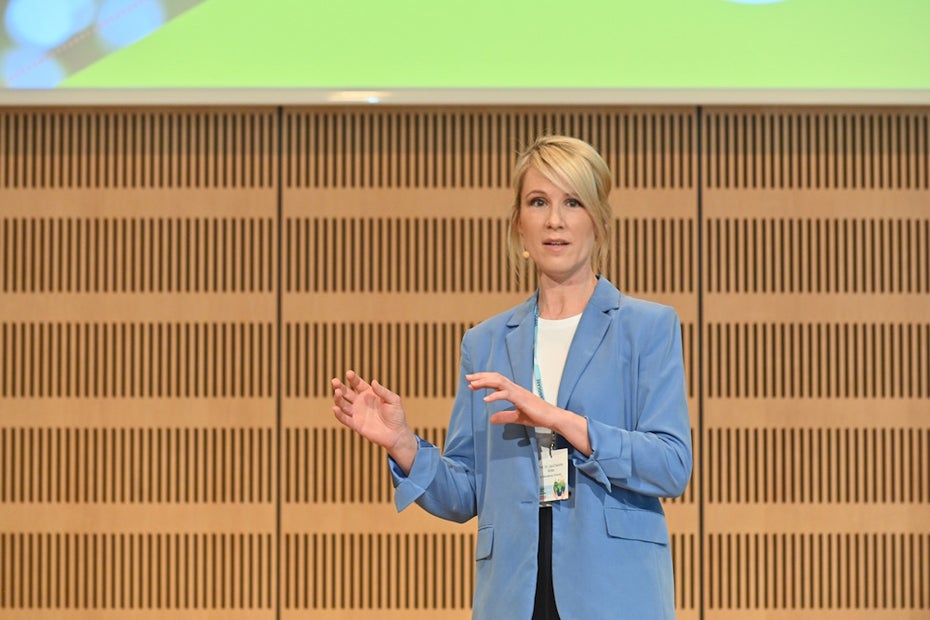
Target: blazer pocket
{"points": [[485, 542], [636, 525]]}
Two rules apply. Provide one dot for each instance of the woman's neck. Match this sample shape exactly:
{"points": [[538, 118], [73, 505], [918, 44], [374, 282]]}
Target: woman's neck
{"points": [[559, 300]]}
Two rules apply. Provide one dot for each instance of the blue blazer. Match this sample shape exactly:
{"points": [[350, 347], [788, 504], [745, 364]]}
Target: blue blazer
{"points": [[611, 555]]}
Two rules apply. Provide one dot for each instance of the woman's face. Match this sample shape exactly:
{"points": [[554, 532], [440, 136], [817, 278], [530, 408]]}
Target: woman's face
{"points": [[556, 229]]}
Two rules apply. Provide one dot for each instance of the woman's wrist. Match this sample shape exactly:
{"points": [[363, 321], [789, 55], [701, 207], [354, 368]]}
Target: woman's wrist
{"points": [[404, 451], [574, 429]]}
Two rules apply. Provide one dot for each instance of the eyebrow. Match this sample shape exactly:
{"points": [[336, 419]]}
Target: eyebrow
{"points": [[538, 192]]}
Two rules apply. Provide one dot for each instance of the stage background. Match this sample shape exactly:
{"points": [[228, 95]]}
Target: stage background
{"points": [[178, 286]]}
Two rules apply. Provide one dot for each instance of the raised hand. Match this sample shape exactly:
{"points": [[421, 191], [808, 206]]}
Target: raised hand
{"points": [[375, 413], [531, 410]]}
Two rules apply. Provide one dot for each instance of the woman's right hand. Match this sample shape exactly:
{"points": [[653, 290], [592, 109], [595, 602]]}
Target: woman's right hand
{"points": [[375, 413]]}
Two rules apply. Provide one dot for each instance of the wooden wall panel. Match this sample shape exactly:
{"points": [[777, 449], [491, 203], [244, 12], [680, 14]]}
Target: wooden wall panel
{"points": [[178, 287], [476, 148], [87, 465], [145, 571], [395, 243], [137, 255], [138, 149], [818, 255], [138, 367], [816, 362], [830, 571]]}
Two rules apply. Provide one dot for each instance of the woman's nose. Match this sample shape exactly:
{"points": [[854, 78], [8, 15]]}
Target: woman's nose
{"points": [[554, 218]]}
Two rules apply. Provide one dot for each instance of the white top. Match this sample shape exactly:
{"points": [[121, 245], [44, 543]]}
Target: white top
{"points": [[553, 340]]}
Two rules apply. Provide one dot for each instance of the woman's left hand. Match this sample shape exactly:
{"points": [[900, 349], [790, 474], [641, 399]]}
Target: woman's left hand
{"points": [[529, 409]]}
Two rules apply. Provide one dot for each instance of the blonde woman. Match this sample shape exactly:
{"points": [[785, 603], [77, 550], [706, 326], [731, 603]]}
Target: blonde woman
{"points": [[570, 420]]}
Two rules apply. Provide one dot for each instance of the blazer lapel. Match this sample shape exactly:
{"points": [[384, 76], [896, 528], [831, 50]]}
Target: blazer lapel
{"points": [[593, 326], [519, 342]]}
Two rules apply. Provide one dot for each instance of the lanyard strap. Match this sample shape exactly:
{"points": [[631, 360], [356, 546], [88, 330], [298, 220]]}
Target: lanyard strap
{"points": [[537, 376]]}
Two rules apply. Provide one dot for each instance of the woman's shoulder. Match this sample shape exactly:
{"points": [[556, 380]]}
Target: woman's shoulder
{"points": [[644, 311], [505, 319], [644, 306]]}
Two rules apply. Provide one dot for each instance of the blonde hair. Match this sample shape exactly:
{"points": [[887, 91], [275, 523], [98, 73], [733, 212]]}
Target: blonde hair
{"points": [[574, 166]]}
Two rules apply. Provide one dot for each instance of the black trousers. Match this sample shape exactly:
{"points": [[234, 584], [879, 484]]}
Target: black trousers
{"points": [[545, 596]]}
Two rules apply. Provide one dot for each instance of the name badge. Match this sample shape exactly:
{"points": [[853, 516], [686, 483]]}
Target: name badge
{"points": [[553, 475]]}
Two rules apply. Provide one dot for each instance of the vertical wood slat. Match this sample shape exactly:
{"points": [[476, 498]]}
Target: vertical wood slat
{"points": [[125, 571], [653, 255], [839, 466], [378, 571], [465, 148], [136, 465], [139, 255], [398, 255], [832, 149], [148, 149], [817, 256], [319, 350], [817, 360], [806, 571], [129, 360]]}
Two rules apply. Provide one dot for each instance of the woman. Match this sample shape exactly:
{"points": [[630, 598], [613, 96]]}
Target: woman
{"points": [[570, 414]]}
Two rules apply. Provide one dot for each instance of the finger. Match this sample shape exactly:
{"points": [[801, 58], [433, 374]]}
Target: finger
{"points": [[355, 382], [504, 417], [338, 386], [482, 377], [343, 417], [496, 396], [488, 381], [384, 394], [340, 396], [339, 402]]}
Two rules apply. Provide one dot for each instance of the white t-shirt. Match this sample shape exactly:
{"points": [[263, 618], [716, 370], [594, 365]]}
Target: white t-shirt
{"points": [[553, 340]]}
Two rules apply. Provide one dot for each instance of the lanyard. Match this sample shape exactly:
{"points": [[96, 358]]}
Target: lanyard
{"points": [[537, 376]]}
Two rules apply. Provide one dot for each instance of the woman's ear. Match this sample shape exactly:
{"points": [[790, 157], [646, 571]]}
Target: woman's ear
{"points": [[524, 252]]}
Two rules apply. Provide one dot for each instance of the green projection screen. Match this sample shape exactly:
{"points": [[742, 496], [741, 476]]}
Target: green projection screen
{"points": [[494, 51]]}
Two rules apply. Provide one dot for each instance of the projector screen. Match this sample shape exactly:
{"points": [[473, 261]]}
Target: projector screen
{"points": [[494, 51]]}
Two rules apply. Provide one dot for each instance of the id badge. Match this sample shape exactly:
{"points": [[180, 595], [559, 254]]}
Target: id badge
{"points": [[553, 475]]}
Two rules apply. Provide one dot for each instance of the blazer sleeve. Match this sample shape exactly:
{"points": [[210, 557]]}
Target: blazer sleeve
{"points": [[654, 457], [444, 484]]}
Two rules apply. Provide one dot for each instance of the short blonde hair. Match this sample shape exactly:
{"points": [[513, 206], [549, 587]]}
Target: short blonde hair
{"points": [[576, 167]]}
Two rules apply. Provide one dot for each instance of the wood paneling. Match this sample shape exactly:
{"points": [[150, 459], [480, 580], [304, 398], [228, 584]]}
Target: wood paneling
{"points": [[816, 362], [177, 288], [85, 571], [138, 356]]}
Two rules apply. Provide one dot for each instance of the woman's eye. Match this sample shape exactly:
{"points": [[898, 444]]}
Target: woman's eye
{"points": [[574, 203], [537, 202]]}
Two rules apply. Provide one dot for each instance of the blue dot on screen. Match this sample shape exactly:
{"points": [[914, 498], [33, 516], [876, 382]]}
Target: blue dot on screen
{"points": [[123, 22], [48, 23], [30, 68]]}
